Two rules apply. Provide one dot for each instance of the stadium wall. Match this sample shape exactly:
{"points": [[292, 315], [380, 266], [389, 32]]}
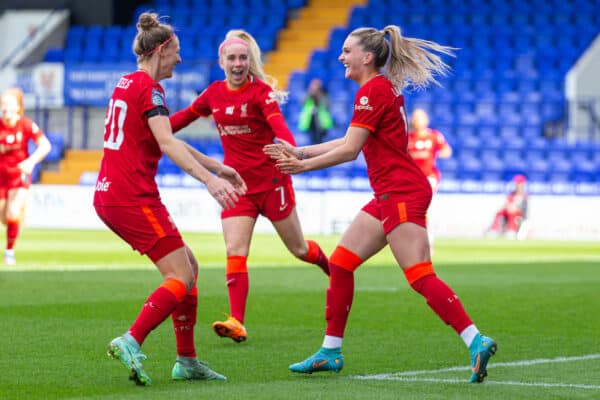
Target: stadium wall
{"points": [[457, 215]]}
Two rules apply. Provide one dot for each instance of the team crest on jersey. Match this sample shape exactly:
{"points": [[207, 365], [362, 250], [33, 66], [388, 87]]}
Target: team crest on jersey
{"points": [[158, 99], [423, 144], [244, 110], [364, 104]]}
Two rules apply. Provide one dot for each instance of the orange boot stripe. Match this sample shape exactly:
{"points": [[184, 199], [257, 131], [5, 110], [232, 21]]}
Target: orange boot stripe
{"points": [[176, 287], [344, 258], [417, 271], [236, 264]]}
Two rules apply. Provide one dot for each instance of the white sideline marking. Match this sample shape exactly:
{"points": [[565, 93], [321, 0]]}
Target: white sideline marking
{"points": [[411, 376], [488, 382]]}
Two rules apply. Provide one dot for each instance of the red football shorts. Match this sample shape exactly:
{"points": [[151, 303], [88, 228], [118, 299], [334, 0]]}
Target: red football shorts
{"points": [[147, 229], [275, 204], [12, 178], [394, 209]]}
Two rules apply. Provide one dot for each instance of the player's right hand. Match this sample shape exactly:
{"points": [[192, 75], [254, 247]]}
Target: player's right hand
{"points": [[233, 177], [223, 192]]}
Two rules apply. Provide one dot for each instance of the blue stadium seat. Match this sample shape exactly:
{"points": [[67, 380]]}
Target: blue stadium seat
{"points": [[75, 36]]}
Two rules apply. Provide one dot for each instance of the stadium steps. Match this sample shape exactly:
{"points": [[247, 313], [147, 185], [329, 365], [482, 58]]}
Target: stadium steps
{"points": [[70, 168], [306, 33]]}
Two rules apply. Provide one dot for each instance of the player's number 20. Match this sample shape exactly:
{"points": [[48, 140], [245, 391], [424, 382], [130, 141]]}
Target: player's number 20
{"points": [[114, 135]]}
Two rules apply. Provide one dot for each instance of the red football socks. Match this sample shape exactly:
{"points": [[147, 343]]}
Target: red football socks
{"points": [[157, 308], [316, 256], [339, 300], [237, 286], [442, 300], [184, 319], [12, 232]]}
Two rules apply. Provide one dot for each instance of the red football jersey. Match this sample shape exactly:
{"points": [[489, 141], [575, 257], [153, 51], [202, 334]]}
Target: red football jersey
{"points": [[14, 140], [242, 119], [424, 149], [131, 153], [379, 107]]}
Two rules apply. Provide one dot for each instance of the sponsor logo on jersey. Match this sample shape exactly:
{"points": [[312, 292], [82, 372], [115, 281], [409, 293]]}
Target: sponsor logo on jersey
{"points": [[271, 98], [364, 104], [102, 185], [423, 144], [229, 110], [226, 130], [158, 99]]}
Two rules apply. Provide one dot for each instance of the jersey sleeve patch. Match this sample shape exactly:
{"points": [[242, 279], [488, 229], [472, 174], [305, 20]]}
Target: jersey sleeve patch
{"points": [[158, 98]]}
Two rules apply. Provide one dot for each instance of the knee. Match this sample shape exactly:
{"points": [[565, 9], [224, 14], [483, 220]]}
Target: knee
{"points": [[192, 260], [236, 250], [189, 282], [299, 250]]}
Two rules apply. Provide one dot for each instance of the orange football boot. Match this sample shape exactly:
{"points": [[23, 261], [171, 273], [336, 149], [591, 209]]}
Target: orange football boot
{"points": [[231, 328]]}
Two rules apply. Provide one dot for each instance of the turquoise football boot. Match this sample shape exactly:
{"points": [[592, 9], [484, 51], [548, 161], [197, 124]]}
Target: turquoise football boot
{"points": [[482, 348], [188, 368], [322, 360], [127, 351]]}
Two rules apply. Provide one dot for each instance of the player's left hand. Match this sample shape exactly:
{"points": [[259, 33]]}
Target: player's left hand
{"points": [[289, 164], [26, 166], [273, 150], [232, 176]]}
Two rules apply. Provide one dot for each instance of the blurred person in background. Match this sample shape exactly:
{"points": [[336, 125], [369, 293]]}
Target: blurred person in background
{"points": [[16, 164], [315, 118], [396, 214], [425, 145], [511, 219], [137, 133], [247, 115]]}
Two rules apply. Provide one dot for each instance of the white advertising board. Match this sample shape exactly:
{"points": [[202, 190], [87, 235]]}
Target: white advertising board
{"points": [[321, 212]]}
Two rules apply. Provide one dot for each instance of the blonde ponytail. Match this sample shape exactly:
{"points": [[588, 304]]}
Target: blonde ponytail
{"points": [[408, 62]]}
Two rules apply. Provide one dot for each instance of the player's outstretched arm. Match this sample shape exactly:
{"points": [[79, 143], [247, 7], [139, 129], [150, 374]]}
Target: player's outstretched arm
{"points": [[222, 190], [308, 158], [41, 151], [220, 169]]}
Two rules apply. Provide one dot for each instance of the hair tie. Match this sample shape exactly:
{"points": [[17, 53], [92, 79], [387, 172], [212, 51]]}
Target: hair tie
{"points": [[234, 40], [167, 40]]}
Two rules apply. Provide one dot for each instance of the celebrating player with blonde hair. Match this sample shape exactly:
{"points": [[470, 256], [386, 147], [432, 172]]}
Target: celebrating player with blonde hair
{"points": [[246, 111], [396, 214]]}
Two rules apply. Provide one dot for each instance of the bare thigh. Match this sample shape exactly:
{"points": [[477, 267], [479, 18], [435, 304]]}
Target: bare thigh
{"points": [[177, 265], [237, 233], [15, 201], [409, 244], [365, 236]]}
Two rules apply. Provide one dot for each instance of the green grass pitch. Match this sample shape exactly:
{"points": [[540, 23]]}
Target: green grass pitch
{"points": [[73, 291]]}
